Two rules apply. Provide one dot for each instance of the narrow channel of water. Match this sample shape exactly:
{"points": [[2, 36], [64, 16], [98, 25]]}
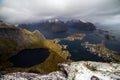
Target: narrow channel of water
{"points": [[78, 53]]}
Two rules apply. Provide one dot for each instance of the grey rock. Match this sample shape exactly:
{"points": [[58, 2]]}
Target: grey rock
{"points": [[88, 70], [32, 76], [83, 70]]}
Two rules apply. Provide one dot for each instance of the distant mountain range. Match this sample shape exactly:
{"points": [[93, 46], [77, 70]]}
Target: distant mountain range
{"points": [[56, 25]]}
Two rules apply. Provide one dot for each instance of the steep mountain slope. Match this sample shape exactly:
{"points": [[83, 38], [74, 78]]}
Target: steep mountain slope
{"points": [[83, 26], [14, 39]]}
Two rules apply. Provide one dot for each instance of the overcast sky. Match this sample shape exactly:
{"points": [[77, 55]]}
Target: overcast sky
{"points": [[100, 11]]}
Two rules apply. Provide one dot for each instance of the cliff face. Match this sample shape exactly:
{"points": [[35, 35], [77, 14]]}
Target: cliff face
{"points": [[83, 70]]}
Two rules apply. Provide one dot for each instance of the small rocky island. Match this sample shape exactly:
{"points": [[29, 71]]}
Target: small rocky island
{"points": [[75, 36], [110, 37], [102, 51], [72, 37]]}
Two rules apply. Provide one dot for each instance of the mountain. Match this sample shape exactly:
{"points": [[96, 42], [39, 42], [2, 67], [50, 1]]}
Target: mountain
{"points": [[49, 26], [56, 25], [14, 40], [83, 26]]}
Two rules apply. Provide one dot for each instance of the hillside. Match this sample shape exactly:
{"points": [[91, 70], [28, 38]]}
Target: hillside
{"points": [[14, 39]]}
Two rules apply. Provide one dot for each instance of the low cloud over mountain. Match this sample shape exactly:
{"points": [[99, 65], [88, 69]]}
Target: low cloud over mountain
{"points": [[20, 11]]}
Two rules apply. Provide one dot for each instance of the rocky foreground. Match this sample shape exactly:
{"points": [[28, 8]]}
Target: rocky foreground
{"points": [[83, 70]]}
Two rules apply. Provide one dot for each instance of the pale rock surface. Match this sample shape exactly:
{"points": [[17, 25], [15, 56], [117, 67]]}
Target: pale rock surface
{"points": [[87, 70], [83, 70], [32, 76]]}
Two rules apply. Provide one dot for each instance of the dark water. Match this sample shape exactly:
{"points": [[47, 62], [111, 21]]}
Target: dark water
{"points": [[79, 53], [75, 48], [29, 57]]}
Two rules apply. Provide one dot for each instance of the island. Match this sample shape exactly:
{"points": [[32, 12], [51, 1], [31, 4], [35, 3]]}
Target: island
{"points": [[72, 37], [110, 37], [101, 51], [75, 36]]}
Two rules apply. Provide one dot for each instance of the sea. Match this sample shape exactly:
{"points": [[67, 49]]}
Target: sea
{"points": [[77, 52]]}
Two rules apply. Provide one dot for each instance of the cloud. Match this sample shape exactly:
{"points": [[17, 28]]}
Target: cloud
{"points": [[21, 11]]}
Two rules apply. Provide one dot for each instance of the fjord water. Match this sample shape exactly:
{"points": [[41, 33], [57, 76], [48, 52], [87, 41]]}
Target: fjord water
{"points": [[75, 48], [79, 53], [113, 30]]}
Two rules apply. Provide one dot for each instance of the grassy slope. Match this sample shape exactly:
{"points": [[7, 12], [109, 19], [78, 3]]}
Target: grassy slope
{"points": [[30, 40]]}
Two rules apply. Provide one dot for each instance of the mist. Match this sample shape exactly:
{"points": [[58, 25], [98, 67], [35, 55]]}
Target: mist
{"points": [[25, 11]]}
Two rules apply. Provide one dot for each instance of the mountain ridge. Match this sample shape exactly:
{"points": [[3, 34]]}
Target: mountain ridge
{"points": [[14, 39]]}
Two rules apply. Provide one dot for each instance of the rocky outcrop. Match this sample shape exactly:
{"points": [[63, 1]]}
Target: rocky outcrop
{"points": [[83, 70], [87, 70], [33, 76]]}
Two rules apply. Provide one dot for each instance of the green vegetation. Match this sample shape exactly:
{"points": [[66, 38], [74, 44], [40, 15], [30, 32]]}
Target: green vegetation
{"points": [[29, 40], [77, 35]]}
